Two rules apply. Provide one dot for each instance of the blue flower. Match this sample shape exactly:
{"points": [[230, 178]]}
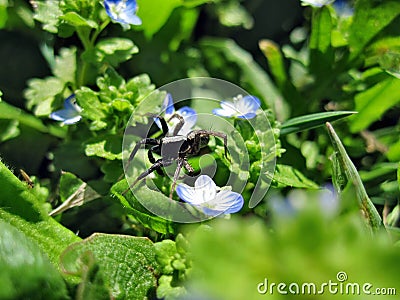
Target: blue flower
{"points": [[241, 107], [70, 114], [209, 199], [189, 116], [123, 12], [343, 8], [316, 3]]}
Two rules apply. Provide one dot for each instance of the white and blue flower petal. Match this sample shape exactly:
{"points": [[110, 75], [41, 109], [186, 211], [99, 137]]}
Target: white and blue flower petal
{"points": [[241, 107], [189, 116], [205, 188], [316, 3], [70, 114], [122, 11], [168, 105], [249, 104], [247, 116], [187, 193], [343, 8], [205, 197]]}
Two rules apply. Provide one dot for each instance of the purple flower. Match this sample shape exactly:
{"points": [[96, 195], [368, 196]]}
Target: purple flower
{"points": [[70, 114], [210, 199], [123, 12], [241, 107]]}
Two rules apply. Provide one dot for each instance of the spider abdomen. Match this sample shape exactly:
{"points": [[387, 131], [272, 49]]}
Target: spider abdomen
{"points": [[174, 147]]}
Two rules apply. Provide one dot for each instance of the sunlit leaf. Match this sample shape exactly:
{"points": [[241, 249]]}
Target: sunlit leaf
{"points": [[76, 20], [25, 271], [20, 208], [136, 209], [312, 121], [347, 167], [372, 103], [109, 147], [126, 264], [289, 176], [370, 18]]}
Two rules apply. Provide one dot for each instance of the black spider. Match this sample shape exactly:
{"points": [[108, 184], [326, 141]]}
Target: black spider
{"points": [[174, 148]]}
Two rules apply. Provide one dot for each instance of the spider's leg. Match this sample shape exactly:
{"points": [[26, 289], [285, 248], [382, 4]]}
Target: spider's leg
{"points": [[188, 167], [164, 125], [146, 141], [220, 135], [158, 164], [150, 154], [152, 159], [176, 175], [179, 125]]}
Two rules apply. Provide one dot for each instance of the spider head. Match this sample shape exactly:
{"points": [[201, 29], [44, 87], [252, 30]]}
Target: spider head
{"points": [[198, 139], [204, 139]]}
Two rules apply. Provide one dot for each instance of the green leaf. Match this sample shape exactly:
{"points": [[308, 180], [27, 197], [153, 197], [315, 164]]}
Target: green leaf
{"points": [[398, 176], [3, 14], [112, 170], [20, 208], [275, 61], [393, 154], [48, 12], [89, 101], [126, 264], [372, 103], [321, 54], [346, 167], [289, 176], [8, 130], [232, 14], [312, 121], [167, 288], [370, 18], [9, 112], [25, 272], [106, 146], [276, 65], [41, 94], [153, 19], [65, 65], [174, 266], [115, 50], [136, 209], [76, 20], [194, 3]]}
